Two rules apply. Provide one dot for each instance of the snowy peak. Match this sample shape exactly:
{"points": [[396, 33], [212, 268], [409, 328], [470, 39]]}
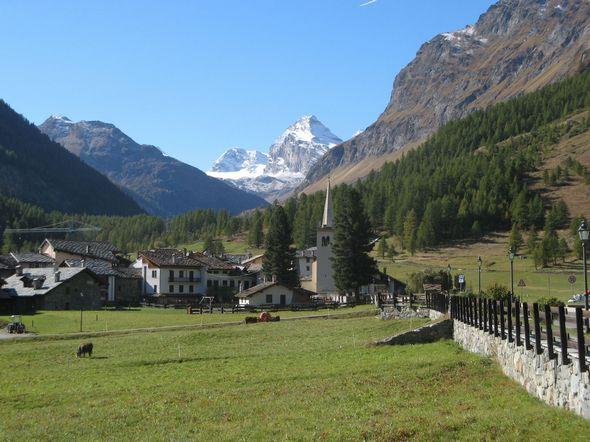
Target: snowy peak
{"points": [[301, 146], [274, 174], [237, 159]]}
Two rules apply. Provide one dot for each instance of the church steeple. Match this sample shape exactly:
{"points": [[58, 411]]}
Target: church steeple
{"points": [[328, 218]]}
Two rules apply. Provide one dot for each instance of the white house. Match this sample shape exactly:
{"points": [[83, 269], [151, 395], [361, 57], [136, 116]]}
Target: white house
{"points": [[273, 293], [175, 276]]}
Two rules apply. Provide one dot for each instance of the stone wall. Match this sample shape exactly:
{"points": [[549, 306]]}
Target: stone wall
{"points": [[429, 333], [559, 385]]}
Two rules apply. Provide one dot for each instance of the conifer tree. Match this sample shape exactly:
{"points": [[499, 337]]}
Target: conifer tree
{"points": [[279, 258], [351, 263], [256, 233], [409, 237], [515, 239]]}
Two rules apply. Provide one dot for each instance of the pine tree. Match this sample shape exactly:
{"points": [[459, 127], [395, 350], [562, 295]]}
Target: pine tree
{"points": [[409, 236], [352, 265], [382, 248], [279, 258], [532, 241], [515, 240], [256, 233]]}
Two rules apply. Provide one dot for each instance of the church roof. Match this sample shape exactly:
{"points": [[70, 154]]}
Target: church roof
{"points": [[328, 218]]}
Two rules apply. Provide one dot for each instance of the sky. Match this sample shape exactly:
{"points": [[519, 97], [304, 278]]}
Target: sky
{"points": [[197, 77]]}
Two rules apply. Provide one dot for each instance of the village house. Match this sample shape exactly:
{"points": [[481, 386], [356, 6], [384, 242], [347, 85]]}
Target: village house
{"points": [[61, 249], [24, 260], [253, 267], [180, 277], [119, 286], [50, 289], [273, 294]]}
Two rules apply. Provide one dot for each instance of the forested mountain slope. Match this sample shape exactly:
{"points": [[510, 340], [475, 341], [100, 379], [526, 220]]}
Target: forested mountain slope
{"points": [[37, 170], [477, 174], [516, 46]]}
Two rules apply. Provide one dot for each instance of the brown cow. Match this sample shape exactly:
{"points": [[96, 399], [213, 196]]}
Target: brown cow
{"points": [[84, 349]]}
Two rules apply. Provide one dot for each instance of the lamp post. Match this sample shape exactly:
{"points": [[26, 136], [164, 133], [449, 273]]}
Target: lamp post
{"points": [[583, 232], [451, 282], [81, 307], [479, 261], [511, 255]]}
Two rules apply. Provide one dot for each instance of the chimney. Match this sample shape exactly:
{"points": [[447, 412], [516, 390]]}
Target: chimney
{"points": [[19, 270], [173, 259], [83, 262], [38, 283], [87, 249], [240, 287], [57, 276]]}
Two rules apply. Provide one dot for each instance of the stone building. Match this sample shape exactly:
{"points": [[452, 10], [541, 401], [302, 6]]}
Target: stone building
{"points": [[51, 289]]}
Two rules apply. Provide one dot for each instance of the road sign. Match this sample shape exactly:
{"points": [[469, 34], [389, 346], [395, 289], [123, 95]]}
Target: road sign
{"points": [[571, 279], [521, 283], [461, 279]]}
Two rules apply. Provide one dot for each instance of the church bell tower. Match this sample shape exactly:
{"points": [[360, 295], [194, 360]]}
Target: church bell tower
{"points": [[325, 236]]}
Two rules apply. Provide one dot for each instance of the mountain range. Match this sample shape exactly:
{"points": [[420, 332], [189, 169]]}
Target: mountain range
{"points": [[276, 173], [517, 46], [160, 184], [38, 171]]}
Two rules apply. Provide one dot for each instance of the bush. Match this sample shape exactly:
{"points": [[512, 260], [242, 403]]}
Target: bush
{"points": [[553, 302], [497, 292]]}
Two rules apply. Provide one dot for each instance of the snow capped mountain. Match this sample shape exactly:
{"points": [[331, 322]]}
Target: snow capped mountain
{"points": [[274, 174], [237, 159]]}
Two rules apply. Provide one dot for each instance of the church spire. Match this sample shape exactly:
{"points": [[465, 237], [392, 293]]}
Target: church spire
{"points": [[328, 218]]}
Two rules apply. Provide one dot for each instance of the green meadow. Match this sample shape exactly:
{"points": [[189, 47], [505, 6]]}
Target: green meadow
{"points": [[62, 321], [296, 380]]}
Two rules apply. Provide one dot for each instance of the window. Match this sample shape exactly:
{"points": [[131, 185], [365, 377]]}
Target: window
{"points": [[325, 241], [246, 284], [171, 288], [191, 275], [154, 273], [307, 268], [209, 283], [155, 288], [171, 275], [215, 283], [224, 283], [181, 288], [306, 259], [232, 283], [191, 289], [269, 299], [181, 273]]}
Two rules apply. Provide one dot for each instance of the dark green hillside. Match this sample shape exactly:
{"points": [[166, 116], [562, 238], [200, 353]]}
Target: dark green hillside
{"points": [[39, 171]]}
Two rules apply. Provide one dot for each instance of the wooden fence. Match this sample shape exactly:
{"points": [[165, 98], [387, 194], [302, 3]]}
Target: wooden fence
{"points": [[522, 323]]}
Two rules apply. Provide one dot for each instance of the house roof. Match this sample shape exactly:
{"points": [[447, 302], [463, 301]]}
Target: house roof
{"points": [[254, 258], [6, 263], [91, 249], [102, 268], [177, 258], [306, 253], [31, 257], [432, 287], [256, 289], [15, 287]]}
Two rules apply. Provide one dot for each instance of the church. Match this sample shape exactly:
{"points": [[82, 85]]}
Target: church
{"points": [[322, 274]]}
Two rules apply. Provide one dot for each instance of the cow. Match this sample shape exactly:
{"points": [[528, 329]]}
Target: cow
{"points": [[84, 349]]}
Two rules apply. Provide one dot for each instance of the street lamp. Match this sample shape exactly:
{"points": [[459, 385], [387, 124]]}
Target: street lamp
{"points": [[511, 255], [479, 261], [583, 232], [81, 307], [451, 282]]}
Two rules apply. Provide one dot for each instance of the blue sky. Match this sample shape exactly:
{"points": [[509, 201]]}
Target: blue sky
{"points": [[196, 77]]}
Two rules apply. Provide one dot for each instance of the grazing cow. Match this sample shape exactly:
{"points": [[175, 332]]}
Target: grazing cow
{"points": [[84, 349]]}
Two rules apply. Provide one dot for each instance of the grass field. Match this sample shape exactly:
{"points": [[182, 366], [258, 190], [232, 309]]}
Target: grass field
{"points": [[308, 379], [49, 321]]}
